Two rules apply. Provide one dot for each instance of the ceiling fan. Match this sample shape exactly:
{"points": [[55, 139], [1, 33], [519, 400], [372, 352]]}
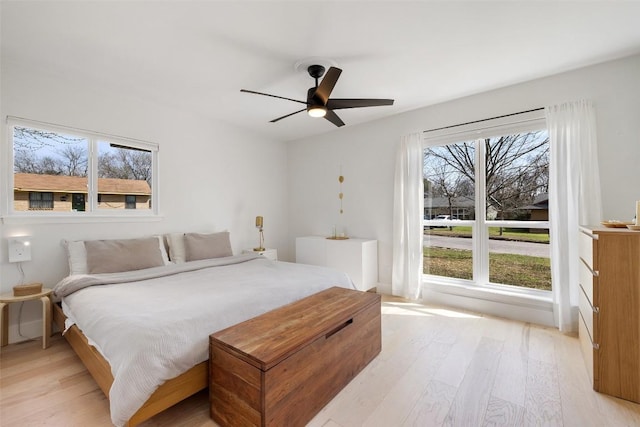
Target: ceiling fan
{"points": [[318, 103]]}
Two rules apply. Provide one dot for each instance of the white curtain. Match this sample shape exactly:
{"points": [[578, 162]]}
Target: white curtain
{"points": [[408, 210], [574, 183]]}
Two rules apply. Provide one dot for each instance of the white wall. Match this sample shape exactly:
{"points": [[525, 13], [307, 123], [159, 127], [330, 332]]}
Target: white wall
{"points": [[212, 176], [367, 152], [237, 175]]}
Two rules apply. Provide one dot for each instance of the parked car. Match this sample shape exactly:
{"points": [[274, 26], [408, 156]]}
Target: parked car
{"points": [[445, 217], [441, 218]]}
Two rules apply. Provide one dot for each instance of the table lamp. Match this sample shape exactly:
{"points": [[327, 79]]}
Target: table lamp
{"points": [[259, 224]]}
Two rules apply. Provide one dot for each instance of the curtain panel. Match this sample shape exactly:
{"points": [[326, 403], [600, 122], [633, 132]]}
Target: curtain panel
{"points": [[408, 209], [574, 199]]}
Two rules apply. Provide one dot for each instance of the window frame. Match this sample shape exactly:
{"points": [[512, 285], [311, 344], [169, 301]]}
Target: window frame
{"points": [[92, 212], [525, 122]]}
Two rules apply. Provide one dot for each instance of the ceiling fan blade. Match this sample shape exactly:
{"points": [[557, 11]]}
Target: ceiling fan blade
{"points": [[284, 117], [327, 84], [333, 118], [273, 96], [338, 104]]}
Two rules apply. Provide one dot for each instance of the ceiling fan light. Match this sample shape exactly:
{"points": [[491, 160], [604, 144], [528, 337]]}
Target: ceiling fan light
{"points": [[317, 111]]}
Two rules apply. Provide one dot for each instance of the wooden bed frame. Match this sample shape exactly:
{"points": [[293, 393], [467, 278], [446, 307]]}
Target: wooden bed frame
{"points": [[167, 395]]}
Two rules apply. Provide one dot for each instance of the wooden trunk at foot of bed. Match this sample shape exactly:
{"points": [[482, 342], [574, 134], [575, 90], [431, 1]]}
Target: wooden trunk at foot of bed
{"points": [[167, 395], [282, 367]]}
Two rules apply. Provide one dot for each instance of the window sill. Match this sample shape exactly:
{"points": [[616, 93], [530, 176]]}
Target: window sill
{"points": [[78, 218], [531, 298], [527, 305]]}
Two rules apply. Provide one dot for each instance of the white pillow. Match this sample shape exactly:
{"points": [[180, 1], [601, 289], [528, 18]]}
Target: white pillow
{"points": [[177, 251], [77, 255]]}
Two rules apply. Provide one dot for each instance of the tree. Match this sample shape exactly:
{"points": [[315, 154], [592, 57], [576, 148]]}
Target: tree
{"points": [[447, 180], [125, 163], [517, 169], [74, 160], [30, 139], [51, 153]]}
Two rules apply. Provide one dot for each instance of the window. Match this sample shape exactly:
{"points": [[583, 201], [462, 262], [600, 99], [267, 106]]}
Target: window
{"points": [[130, 202], [80, 171], [124, 169], [40, 201], [487, 200]]}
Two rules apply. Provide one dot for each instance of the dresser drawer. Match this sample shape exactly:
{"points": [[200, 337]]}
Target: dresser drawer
{"points": [[586, 311], [586, 277], [586, 248], [586, 345]]}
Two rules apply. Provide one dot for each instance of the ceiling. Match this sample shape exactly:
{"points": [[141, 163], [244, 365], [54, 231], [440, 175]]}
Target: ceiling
{"points": [[196, 56]]}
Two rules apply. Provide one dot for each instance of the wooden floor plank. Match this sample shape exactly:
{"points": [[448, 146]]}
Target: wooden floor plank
{"points": [[511, 377], [541, 345], [406, 391], [432, 407], [542, 395], [465, 336], [502, 413], [431, 358], [472, 397]]}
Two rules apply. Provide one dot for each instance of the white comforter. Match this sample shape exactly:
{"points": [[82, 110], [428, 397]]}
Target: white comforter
{"points": [[155, 329]]}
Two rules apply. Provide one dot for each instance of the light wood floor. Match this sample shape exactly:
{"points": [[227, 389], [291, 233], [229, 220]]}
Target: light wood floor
{"points": [[437, 367]]}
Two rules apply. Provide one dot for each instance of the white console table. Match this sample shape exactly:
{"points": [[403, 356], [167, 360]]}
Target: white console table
{"points": [[356, 257]]}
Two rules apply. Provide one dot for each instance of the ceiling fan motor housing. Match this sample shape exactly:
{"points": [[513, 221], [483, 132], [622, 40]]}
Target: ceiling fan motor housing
{"points": [[316, 71], [311, 98]]}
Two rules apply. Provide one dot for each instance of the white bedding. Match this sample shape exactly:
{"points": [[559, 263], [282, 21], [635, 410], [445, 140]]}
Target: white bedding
{"points": [[155, 329]]}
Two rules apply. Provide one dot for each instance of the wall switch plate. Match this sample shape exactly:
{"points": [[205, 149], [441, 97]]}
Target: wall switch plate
{"points": [[19, 249]]}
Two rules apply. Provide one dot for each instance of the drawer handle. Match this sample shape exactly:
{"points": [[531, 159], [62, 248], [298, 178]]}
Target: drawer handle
{"points": [[596, 310], [594, 273], [338, 329], [596, 346]]}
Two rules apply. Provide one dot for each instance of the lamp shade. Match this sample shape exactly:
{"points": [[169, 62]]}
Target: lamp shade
{"points": [[259, 221]]}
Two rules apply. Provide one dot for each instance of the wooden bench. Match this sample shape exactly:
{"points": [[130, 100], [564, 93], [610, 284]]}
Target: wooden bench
{"points": [[282, 367]]}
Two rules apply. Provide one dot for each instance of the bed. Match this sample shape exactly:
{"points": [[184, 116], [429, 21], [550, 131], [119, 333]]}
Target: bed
{"points": [[162, 316]]}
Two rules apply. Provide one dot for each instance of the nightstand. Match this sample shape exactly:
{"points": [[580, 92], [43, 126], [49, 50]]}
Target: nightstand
{"points": [[268, 253], [6, 299]]}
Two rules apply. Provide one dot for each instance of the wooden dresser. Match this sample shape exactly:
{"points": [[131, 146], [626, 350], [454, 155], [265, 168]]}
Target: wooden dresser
{"points": [[609, 324], [281, 368]]}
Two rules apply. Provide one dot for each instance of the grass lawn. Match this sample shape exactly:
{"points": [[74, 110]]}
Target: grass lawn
{"points": [[509, 269], [494, 233]]}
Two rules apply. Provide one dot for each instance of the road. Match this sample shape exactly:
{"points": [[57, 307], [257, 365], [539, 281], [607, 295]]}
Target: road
{"points": [[495, 246]]}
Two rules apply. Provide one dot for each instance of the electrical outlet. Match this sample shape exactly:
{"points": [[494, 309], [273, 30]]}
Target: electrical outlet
{"points": [[19, 249]]}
